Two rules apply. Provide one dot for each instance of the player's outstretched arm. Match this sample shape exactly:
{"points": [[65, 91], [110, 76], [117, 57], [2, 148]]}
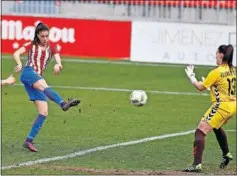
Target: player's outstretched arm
{"points": [[9, 80], [191, 75], [17, 59]]}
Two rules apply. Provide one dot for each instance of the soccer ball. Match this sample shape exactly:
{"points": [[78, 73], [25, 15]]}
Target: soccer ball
{"points": [[138, 97]]}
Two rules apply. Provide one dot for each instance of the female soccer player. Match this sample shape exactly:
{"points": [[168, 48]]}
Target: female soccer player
{"points": [[222, 84], [9, 80], [40, 52]]}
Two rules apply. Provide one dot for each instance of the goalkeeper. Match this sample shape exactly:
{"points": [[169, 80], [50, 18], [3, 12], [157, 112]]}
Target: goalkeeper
{"points": [[222, 84]]}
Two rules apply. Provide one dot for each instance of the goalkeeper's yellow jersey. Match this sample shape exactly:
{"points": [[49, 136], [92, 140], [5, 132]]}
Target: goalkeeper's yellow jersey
{"points": [[222, 82]]}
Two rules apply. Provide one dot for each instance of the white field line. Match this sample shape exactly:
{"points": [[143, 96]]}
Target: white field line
{"points": [[100, 148], [125, 90], [231, 130], [92, 61]]}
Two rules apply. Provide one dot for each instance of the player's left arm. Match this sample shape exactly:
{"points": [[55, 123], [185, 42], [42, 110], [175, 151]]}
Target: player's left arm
{"points": [[58, 66], [58, 59]]}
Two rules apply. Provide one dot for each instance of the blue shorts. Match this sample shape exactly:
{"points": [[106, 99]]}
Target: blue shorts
{"points": [[28, 78]]}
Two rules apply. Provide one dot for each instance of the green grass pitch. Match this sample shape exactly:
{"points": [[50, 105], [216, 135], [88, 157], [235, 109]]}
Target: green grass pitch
{"points": [[107, 117]]}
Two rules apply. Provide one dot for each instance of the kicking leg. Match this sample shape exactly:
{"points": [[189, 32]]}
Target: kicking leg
{"points": [[54, 96]]}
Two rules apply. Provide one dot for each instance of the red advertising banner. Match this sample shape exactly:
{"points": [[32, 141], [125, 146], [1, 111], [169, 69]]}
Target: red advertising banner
{"points": [[75, 37]]}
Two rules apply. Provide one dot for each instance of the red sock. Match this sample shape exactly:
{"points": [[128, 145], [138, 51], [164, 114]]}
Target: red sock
{"points": [[198, 146]]}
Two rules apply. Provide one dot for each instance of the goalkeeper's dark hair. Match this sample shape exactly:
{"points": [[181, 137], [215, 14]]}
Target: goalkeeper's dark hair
{"points": [[228, 52], [40, 27]]}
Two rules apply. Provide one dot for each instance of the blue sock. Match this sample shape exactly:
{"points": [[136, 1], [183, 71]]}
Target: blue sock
{"points": [[53, 96], [36, 127]]}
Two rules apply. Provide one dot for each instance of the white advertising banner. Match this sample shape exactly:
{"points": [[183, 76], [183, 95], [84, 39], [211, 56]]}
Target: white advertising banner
{"points": [[178, 43]]}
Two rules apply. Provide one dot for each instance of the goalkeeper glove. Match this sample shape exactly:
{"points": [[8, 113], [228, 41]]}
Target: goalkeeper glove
{"points": [[189, 72]]}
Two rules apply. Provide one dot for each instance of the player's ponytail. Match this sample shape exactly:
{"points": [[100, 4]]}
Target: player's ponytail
{"points": [[229, 55], [40, 27], [228, 52]]}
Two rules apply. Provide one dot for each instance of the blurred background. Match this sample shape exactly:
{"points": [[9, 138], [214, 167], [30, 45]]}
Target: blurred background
{"points": [[194, 11], [120, 29]]}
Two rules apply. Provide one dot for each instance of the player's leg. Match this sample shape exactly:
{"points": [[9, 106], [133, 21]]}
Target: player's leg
{"points": [[54, 96], [49, 92], [198, 146], [226, 110], [223, 143], [40, 101], [31, 78], [214, 118], [222, 140], [199, 142], [42, 108]]}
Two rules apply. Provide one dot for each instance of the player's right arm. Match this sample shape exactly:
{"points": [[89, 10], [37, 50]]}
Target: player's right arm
{"points": [[207, 83], [17, 59], [18, 53], [191, 75]]}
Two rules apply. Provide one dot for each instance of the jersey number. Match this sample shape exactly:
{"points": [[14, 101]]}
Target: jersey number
{"points": [[232, 86]]}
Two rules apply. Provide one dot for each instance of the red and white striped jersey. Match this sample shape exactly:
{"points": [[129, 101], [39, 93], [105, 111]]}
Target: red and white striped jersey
{"points": [[38, 58]]}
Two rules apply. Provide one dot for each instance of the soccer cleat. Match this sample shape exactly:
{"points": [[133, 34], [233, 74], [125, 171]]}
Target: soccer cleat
{"points": [[30, 146], [225, 160], [193, 168], [70, 103]]}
